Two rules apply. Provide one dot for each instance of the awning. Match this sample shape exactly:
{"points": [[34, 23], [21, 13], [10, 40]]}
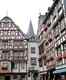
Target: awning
{"points": [[60, 71], [43, 72]]}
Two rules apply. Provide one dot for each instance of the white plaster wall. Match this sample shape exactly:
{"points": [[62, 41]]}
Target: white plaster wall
{"points": [[33, 44], [19, 67]]}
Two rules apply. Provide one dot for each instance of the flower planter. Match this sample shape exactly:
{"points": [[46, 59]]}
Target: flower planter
{"points": [[59, 57], [64, 55]]}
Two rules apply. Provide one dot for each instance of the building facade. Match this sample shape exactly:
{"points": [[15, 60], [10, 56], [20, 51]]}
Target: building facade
{"points": [[13, 51], [52, 36], [18, 52], [40, 33], [33, 66]]}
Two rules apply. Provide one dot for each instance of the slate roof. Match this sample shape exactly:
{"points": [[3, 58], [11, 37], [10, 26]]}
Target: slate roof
{"points": [[30, 34]]}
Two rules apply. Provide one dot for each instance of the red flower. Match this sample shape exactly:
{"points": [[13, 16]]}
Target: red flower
{"points": [[59, 57], [64, 55]]}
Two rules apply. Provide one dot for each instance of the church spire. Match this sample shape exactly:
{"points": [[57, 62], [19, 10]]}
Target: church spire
{"points": [[30, 32]]}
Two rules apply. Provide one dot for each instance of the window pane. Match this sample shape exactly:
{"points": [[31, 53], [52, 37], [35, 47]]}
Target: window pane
{"points": [[33, 61], [32, 49], [64, 46]]}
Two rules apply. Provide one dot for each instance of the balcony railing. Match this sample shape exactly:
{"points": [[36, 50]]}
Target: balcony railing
{"points": [[20, 58]]}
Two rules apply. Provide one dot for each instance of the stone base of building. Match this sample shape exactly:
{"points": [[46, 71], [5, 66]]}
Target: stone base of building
{"points": [[43, 75], [6, 76]]}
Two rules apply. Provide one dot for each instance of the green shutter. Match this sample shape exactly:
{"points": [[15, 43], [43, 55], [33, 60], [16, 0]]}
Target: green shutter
{"points": [[12, 65]]}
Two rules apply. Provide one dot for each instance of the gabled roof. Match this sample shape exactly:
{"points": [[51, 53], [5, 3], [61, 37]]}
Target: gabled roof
{"points": [[30, 34], [6, 19]]}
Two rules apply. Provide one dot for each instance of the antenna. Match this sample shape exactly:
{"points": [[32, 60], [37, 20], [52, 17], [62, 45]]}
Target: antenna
{"points": [[7, 13], [39, 12]]}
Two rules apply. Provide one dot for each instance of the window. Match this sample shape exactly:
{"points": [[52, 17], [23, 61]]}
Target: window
{"points": [[22, 65], [40, 62], [5, 33], [49, 24], [33, 61], [58, 50], [9, 24], [1, 24], [13, 33], [32, 38], [13, 65], [32, 49], [9, 33], [59, 9], [6, 54], [54, 17], [57, 30], [64, 46], [62, 26], [1, 32], [15, 77], [4, 66], [16, 33]]}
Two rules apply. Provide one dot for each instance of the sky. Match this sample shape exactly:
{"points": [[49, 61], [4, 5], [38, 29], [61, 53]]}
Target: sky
{"points": [[22, 11]]}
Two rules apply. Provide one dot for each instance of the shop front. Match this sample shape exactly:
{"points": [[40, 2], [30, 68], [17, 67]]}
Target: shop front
{"points": [[13, 76], [60, 74], [4, 77], [43, 75], [50, 75]]}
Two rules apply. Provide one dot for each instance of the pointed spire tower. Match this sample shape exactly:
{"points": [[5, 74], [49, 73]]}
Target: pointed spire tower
{"points": [[30, 32]]}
